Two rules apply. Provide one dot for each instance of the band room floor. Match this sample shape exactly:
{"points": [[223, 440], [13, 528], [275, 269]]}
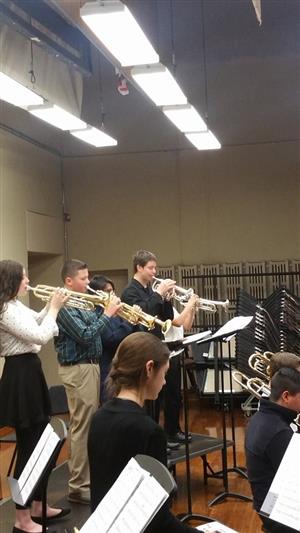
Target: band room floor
{"points": [[204, 419]]}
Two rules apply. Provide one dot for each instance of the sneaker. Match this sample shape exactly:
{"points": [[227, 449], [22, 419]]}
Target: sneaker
{"points": [[172, 445], [78, 497], [179, 437]]}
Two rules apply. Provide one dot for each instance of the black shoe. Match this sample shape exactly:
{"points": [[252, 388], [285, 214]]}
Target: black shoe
{"points": [[18, 530], [50, 519], [173, 445], [179, 437]]}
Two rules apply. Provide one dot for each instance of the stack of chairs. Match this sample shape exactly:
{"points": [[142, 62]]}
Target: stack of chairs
{"points": [[275, 328]]}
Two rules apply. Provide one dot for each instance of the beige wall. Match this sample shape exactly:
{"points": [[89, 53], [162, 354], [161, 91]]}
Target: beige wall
{"points": [[237, 204], [31, 217]]}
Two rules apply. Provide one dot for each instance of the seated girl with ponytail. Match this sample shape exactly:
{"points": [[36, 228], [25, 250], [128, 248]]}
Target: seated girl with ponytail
{"points": [[122, 429]]}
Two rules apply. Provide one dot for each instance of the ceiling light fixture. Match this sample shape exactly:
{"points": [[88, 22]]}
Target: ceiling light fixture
{"points": [[113, 24], [95, 137], [16, 94], [56, 116], [158, 83], [185, 117], [204, 140]]}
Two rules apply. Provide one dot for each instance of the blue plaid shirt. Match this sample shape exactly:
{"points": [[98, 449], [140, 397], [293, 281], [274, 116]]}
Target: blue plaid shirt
{"points": [[79, 335]]}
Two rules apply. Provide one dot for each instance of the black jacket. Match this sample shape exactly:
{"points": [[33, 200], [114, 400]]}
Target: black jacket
{"points": [[267, 437], [150, 301], [120, 430]]}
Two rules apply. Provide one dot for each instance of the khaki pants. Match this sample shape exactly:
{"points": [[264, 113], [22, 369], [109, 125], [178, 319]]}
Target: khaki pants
{"points": [[82, 387]]}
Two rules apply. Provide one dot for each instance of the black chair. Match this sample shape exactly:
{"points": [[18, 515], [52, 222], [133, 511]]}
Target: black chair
{"points": [[58, 399]]}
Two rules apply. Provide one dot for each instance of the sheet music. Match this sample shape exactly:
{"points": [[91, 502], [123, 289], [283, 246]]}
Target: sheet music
{"points": [[22, 488], [232, 326], [282, 502], [143, 505], [130, 503], [190, 339], [215, 527]]}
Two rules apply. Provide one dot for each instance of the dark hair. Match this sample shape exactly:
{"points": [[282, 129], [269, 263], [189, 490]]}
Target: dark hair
{"points": [[11, 275], [128, 368], [141, 258], [71, 267], [283, 359], [99, 282], [285, 379]]}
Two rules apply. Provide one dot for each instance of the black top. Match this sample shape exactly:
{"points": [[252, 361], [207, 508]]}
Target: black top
{"points": [[120, 430], [267, 437], [150, 302]]}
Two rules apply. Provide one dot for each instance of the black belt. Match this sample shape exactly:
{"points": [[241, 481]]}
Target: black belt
{"points": [[80, 362]]}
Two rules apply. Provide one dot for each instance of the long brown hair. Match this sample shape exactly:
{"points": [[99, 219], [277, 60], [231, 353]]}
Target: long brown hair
{"points": [[11, 275], [128, 367]]}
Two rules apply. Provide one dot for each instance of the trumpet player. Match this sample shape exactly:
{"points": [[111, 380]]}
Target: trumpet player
{"points": [[24, 396], [79, 348], [140, 292], [111, 336], [268, 435]]}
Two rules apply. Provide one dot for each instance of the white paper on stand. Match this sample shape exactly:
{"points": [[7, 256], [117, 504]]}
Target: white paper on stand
{"points": [[190, 339], [22, 488], [129, 505], [282, 502], [232, 326]]}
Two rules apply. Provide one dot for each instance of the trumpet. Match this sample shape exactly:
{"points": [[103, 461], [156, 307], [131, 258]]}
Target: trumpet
{"points": [[256, 386], [260, 363], [183, 295], [88, 302], [135, 315], [77, 300]]}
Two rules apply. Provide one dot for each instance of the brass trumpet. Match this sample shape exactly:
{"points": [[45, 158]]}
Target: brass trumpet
{"points": [[88, 302], [135, 315], [76, 300], [183, 295]]}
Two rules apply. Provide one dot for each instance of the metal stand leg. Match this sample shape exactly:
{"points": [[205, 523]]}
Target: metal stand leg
{"points": [[226, 493], [189, 515]]}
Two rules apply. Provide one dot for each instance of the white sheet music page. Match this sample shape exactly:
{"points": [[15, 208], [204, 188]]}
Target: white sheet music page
{"points": [[130, 503], [285, 489], [235, 324], [34, 456], [142, 506], [190, 339], [22, 488], [115, 500], [215, 527]]}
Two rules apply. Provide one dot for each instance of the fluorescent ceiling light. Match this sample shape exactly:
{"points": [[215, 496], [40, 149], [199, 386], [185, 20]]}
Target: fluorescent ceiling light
{"points": [[58, 117], [185, 117], [204, 140], [94, 136], [114, 25], [158, 83], [14, 93]]}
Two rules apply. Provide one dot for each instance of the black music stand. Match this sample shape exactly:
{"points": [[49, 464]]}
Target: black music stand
{"points": [[45, 474], [189, 515], [224, 334]]}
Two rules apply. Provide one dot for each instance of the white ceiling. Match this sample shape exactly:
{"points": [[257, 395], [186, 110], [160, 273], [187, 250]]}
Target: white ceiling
{"points": [[251, 73]]}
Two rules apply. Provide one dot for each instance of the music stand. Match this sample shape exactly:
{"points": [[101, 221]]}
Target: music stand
{"points": [[189, 515], [42, 477], [224, 334]]}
